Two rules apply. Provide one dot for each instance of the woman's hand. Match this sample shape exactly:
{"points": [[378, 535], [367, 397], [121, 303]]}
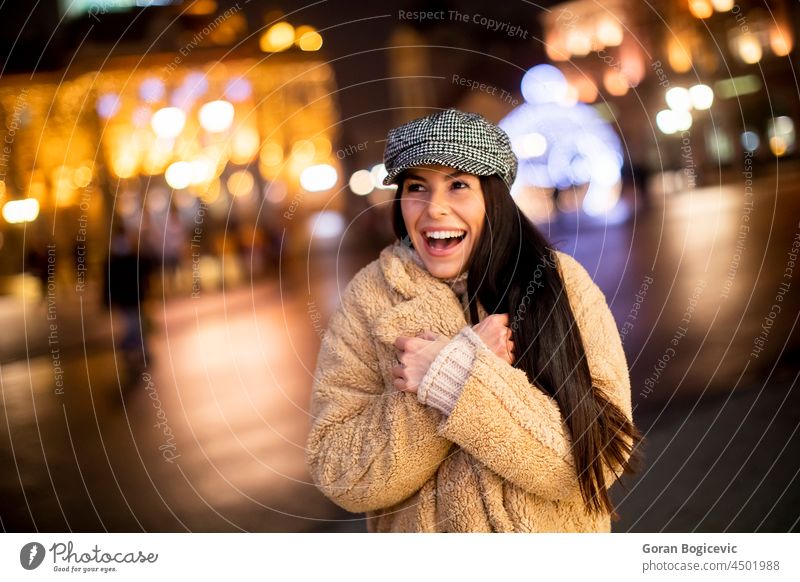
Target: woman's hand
{"points": [[415, 354], [496, 334]]}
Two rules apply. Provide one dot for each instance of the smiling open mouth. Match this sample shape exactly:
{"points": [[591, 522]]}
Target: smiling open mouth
{"points": [[443, 240]]}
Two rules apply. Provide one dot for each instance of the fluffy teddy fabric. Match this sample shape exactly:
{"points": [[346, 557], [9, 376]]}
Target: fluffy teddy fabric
{"points": [[495, 459]]}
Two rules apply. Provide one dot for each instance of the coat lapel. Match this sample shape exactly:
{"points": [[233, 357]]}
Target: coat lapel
{"points": [[425, 302]]}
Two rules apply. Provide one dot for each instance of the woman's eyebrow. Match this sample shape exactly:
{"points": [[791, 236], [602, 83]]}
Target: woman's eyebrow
{"points": [[451, 176]]}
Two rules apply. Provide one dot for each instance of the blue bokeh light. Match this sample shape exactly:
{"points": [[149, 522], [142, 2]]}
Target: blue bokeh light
{"points": [[582, 148]]}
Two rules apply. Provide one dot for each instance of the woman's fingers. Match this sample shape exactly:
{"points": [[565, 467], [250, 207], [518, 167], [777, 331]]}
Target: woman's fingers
{"points": [[404, 343], [498, 321], [497, 335]]}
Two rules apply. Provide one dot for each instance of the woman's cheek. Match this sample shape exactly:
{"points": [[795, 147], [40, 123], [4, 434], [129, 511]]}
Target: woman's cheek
{"points": [[410, 211]]}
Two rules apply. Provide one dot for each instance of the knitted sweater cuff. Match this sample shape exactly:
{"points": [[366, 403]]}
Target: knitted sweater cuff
{"points": [[442, 384]]}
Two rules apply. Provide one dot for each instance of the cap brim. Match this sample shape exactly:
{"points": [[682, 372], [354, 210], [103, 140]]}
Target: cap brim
{"points": [[423, 157]]}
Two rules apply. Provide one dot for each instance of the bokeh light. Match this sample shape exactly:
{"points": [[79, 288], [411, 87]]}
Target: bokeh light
{"points": [[244, 145], [168, 122], [108, 105], [179, 175], [750, 141], [378, 172], [361, 182], [240, 184], [271, 154], [530, 145], [238, 90], [561, 145], [216, 116], [319, 178], [279, 37], [308, 39], [152, 90], [21, 211], [702, 96], [749, 48], [544, 84], [701, 8], [722, 5], [609, 31], [327, 224], [678, 98], [780, 40]]}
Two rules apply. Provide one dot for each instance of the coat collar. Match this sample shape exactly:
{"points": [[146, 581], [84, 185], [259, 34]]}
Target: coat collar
{"points": [[405, 273], [426, 302]]}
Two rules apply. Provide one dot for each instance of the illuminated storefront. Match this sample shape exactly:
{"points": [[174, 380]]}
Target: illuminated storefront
{"points": [[680, 77], [245, 142]]}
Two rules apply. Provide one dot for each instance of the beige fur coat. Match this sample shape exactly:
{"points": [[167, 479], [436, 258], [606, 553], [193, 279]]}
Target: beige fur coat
{"points": [[500, 461]]}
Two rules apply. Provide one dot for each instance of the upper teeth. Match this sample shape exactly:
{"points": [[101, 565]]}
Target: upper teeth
{"points": [[445, 233]]}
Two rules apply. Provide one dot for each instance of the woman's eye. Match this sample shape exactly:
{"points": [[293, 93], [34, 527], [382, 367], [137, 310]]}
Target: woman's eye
{"points": [[414, 188], [460, 185]]}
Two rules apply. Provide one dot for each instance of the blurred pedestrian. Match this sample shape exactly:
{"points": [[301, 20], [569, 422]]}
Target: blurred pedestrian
{"points": [[634, 176], [36, 261], [127, 280], [473, 378], [167, 242]]}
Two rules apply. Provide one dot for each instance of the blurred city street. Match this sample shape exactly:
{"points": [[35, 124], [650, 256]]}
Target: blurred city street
{"points": [[229, 378], [232, 374], [187, 186]]}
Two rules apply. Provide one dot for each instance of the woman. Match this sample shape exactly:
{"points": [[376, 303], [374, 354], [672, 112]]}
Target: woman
{"points": [[473, 378]]}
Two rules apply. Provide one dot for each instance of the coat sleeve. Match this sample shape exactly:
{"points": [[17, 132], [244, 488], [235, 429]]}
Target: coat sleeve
{"points": [[516, 429], [370, 446]]}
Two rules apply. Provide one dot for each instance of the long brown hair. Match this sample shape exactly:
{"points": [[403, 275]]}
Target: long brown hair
{"points": [[546, 334]]}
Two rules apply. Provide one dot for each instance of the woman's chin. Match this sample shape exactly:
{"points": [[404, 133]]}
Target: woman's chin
{"points": [[442, 269]]}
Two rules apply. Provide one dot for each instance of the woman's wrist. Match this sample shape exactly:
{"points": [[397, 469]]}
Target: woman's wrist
{"points": [[443, 382]]}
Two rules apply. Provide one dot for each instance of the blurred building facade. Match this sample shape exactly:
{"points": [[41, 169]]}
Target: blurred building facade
{"points": [[212, 140], [694, 86], [694, 92], [231, 115]]}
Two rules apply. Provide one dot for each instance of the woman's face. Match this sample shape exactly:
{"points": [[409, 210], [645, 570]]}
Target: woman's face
{"points": [[443, 209]]}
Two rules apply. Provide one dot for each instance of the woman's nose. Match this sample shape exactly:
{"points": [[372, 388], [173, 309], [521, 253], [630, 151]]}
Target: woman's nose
{"points": [[439, 203]]}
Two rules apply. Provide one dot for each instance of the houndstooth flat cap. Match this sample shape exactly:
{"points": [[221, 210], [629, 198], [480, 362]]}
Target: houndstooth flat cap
{"points": [[453, 138]]}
